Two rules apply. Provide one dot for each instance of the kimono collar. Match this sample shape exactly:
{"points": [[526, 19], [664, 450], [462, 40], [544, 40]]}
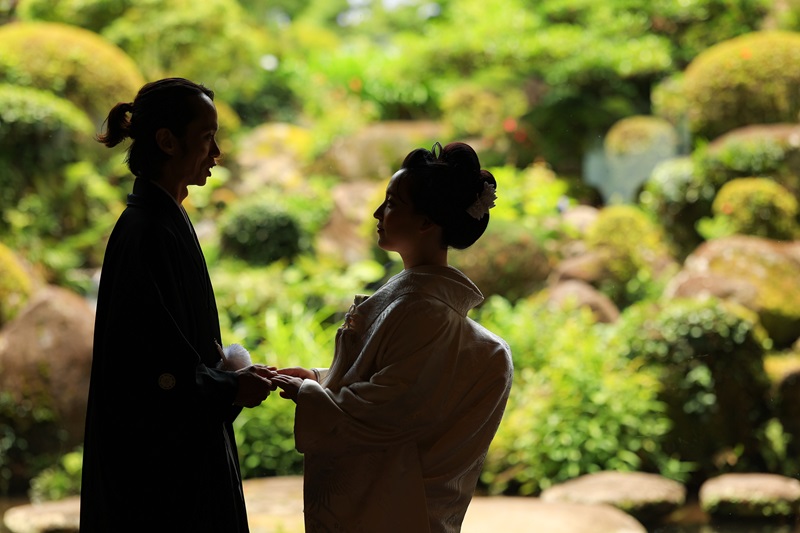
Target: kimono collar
{"points": [[446, 284], [145, 192]]}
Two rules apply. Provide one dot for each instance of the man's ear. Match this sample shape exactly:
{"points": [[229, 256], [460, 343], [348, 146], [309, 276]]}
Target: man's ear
{"points": [[166, 141]]}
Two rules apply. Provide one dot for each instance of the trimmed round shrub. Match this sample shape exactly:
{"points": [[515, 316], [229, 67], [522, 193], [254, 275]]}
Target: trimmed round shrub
{"points": [[93, 15], [753, 206], [506, 261], [635, 252], [709, 357], [751, 79], [41, 133], [257, 232], [71, 62]]}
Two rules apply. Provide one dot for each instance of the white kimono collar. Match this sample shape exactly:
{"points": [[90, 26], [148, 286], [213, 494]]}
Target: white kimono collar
{"points": [[446, 284]]}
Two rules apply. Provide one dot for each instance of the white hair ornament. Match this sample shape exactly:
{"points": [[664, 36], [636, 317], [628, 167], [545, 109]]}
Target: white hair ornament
{"points": [[484, 202]]}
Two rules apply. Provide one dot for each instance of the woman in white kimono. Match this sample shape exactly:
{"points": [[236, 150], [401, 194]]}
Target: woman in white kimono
{"points": [[396, 431]]}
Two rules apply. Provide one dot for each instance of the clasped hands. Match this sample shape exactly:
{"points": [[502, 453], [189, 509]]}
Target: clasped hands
{"points": [[257, 381]]}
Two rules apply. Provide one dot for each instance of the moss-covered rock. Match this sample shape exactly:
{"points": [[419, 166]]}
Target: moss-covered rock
{"points": [[45, 363], [73, 63], [751, 495], [768, 268], [751, 79]]}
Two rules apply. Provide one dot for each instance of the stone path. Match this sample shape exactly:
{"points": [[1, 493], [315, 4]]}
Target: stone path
{"points": [[274, 505]]}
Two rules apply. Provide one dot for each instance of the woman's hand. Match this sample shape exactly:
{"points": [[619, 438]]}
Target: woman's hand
{"points": [[298, 372], [290, 385]]}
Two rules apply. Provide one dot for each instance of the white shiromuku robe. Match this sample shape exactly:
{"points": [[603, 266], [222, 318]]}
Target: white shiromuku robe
{"points": [[395, 437]]}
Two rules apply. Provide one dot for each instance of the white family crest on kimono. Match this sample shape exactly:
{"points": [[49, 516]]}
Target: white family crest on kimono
{"points": [[395, 437]]}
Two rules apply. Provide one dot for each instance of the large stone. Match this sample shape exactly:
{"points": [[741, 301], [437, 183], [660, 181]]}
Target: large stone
{"points": [[581, 294], [45, 363], [647, 497], [761, 274], [344, 235], [751, 495], [376, 151]]}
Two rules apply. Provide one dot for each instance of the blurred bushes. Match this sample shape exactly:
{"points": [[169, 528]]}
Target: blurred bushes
{"points": [[766, 150], [634, 252], [70, 62], [29, 120], [577, 404], [708, 355], [750, 79], [752, 206], [677, 196], [255, 231], [506, 261]]}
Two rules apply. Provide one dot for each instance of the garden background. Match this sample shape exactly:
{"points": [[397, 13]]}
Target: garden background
{"points": [[642, 260]]}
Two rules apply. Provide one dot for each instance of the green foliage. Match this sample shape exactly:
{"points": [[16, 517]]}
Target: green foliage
{"points": [[71, 62], [255, 231], [59, 481], [759, 150], [211, 42], [244, 293], [506, 261], [478, 111], [708, 355], [15, 285], [678, 196], [746, 80], [577, 405], [532, 197], [635, 254], [29, 120], [295, 336], [695, 26], [24, 425], [752, 206], [63, 223]]}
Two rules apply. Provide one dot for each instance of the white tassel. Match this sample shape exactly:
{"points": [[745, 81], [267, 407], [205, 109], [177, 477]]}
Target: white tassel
{"points": [[236, 357]]}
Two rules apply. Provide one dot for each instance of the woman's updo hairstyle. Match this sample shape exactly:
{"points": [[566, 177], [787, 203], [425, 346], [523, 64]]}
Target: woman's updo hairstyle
{"points": [[446, 186], [168, 103]]}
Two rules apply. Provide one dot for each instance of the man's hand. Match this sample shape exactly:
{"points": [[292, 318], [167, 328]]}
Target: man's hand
{"points": [[255, 384]]}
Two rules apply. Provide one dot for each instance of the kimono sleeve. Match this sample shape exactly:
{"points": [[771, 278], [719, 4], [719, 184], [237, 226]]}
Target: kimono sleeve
{"points": [[415, 352]]}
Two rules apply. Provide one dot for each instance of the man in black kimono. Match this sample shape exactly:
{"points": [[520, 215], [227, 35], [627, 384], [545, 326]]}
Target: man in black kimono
{"points": [[159, 451]]}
